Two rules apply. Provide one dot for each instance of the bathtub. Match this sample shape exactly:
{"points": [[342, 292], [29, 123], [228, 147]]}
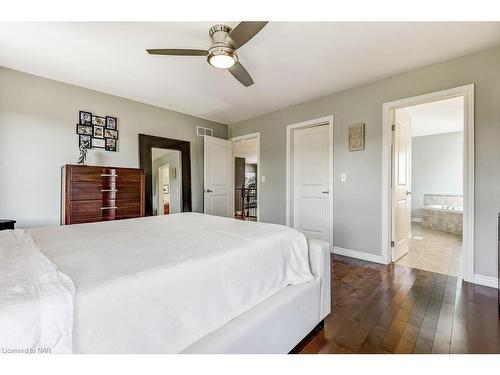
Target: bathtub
{"points": [[445, 217], [444, 207]]}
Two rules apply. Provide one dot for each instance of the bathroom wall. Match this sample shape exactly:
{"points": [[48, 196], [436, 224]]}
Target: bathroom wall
{"points": [[437, 167]]}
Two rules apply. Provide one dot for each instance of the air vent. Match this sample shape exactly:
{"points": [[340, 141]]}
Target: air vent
{"points": [[201, 131]]}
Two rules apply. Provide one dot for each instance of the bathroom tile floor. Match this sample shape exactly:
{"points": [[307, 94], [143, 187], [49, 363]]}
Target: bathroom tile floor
{"points": [[434, 251]]}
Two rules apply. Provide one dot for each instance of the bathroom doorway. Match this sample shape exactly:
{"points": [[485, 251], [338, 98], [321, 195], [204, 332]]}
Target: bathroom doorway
{"points": [[428, 186]]}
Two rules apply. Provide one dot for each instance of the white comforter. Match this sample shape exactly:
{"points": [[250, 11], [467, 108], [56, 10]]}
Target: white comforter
{"points": [[36, 300], [158, 284]]}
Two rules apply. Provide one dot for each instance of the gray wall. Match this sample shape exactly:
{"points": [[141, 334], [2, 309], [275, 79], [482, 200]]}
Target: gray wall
{"points": [[436, 167], [37, 137], [357, 202]]}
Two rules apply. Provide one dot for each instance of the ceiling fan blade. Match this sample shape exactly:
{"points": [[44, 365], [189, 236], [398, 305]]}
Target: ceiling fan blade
{"points": [[240, 73], [244, 32], [178, 52]]}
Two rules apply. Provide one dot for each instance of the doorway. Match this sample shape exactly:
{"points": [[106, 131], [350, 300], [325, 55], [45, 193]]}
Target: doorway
{"points": [[309, 178], [428, 186], [428, 175], [246, 154]]}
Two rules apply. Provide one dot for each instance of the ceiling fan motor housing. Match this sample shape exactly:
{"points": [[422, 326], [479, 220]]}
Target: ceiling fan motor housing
{"points": [[220, 46]]}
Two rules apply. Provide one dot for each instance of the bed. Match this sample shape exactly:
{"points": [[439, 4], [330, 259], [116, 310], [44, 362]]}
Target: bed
{"points": [[182, 283]]}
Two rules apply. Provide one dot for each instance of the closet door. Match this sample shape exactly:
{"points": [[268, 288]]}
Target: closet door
{"points": [[311, 176], [219, 180]]}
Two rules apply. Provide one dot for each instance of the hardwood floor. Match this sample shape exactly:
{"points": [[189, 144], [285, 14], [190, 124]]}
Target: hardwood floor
{"points": [[398, 309]]}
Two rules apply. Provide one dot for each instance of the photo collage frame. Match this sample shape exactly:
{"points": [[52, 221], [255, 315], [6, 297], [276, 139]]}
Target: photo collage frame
{"points": [[97, 131]]}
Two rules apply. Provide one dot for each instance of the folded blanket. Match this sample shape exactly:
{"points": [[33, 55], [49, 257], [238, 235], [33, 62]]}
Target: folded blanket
{"points": [[36, 300]]}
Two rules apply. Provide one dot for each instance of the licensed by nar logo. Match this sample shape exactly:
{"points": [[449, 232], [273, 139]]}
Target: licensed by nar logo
{"points": [[37, 350]]}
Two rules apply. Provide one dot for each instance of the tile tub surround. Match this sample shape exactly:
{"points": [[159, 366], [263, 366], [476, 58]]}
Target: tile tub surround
{"points": [[442, 219], [443, 212], [445, 199]]}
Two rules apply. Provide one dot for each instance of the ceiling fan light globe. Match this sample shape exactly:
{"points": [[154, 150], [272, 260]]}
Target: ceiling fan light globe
{"points": [[222, 61]]}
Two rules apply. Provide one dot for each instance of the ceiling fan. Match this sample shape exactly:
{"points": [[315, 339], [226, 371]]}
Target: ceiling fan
{"points": [[222, 52]]}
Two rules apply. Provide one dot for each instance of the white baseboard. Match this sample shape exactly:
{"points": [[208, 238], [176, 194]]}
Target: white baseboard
{"points": [[416, 219], [358, 255], [490, 281]]}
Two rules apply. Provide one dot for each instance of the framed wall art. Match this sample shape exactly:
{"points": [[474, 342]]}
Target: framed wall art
{"points": [[85, 118], [357, 137], [97, 131]]}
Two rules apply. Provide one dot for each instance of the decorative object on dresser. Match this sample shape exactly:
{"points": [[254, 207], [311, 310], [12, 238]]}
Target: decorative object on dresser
{"points": [[6, 224], [97, 131], [82, 159], [93, 193], [357, 137]]}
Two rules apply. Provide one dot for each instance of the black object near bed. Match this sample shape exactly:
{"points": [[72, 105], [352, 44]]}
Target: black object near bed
{"points": [[7, 224]]}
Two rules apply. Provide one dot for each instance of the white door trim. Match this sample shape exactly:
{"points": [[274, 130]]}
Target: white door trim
{"points": [[327, 120], [259, 167], [467, 92]]}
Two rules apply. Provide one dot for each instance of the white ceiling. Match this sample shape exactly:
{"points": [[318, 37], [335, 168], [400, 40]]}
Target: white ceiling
{"points": [[247, 149], [443, 116], [290, 62]]}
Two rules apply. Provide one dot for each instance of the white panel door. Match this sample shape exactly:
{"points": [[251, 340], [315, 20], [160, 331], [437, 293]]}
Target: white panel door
{"points": [[402, 186], [311, 180], [218, 177]]}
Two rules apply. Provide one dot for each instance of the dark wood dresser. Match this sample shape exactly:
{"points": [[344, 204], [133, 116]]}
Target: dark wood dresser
{"points": [[92, 194]]}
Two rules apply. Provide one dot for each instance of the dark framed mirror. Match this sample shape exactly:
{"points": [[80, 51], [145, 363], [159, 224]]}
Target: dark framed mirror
{"points": [[146, 145]]}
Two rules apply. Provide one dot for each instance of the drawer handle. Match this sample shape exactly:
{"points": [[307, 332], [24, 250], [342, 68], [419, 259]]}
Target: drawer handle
{"points": [[108, 208], [108, 175], [109, 190]]}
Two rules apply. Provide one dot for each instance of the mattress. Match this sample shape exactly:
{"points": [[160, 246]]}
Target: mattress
{"points": [[158, 284]]}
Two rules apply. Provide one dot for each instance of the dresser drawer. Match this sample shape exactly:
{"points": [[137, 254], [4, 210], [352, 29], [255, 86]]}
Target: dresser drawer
{"points": [[92, 174], [89, 190], [129, 177], [92, 210], [127, 208]]}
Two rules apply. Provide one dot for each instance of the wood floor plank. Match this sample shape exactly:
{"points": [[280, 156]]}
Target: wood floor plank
{"points": [[427, 332], [396, 330], [491, 319], [442, 339], [459, 333], [396, 309], [402, 301]]}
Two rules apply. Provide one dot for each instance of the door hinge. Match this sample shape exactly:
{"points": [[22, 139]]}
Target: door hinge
{"points": [[393, 127], [392, 243]]}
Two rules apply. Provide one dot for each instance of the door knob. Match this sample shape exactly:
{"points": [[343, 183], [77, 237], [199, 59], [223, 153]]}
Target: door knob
{"points": [[326, 192], [408, 192], [209, 191]]}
